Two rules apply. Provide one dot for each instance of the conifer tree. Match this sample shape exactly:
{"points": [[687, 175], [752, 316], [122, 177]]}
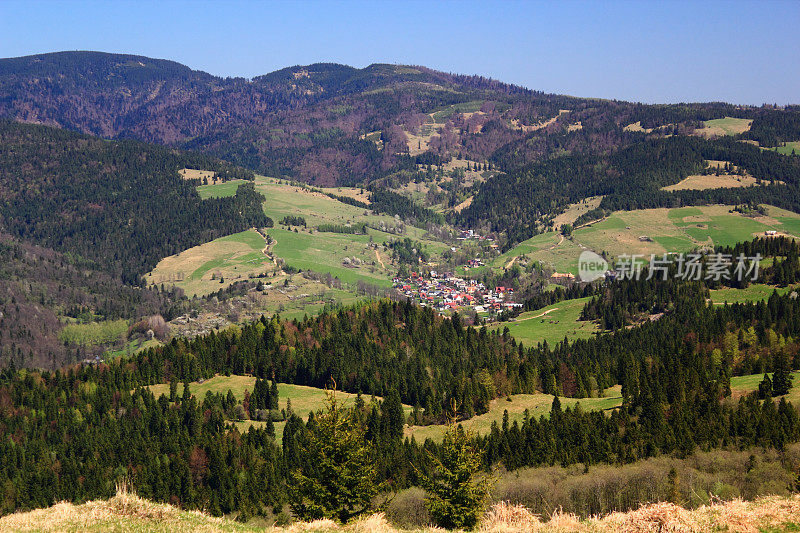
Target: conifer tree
{"points": [[456, 489], [337, 477]]}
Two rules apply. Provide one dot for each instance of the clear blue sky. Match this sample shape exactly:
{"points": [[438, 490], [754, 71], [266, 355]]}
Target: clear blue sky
{"points": [[648, 51]]}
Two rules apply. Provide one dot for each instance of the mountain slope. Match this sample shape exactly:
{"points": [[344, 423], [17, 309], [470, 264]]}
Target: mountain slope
{"points": [[121, 204]]}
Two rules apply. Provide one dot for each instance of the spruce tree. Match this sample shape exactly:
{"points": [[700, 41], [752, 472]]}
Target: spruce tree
{"points": [[782, 378], [337, 476], [456, 490]]}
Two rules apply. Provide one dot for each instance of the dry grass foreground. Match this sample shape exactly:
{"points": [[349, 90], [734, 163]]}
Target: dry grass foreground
{"points": [[127, 512]]}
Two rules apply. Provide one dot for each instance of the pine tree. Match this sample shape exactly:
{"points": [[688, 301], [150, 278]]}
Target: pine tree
{"points": [[456, 490], [337, 477], [782, 378]]}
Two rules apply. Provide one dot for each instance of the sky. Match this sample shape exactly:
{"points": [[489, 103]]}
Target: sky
{"points": [[645, 51]]}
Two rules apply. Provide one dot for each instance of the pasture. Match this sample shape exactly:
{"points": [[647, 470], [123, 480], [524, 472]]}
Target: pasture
{"points": [[680, 229], [754, 293], [326, 253], [789, 148], [537, 405], [724, 126], [552, 324], [94, 333], [222, 189], [742, 385], [700, 182], [199, 270]]}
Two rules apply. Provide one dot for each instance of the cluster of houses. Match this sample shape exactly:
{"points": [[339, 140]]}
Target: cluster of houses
{"points": [[445, 292]]}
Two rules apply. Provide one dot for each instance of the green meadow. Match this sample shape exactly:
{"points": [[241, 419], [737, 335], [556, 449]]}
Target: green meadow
{"points": [[754, 293], [219, 190], [552, 324], [537, 405]]}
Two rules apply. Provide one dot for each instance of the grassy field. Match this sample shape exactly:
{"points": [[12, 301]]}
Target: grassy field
{"points": [[548, 248], [551, 324], [700, 182], [680, 229], [128, 512], [755, 292], [199, 269], [537, 405], [219, 190], [788, 148], [326, 252], [94, 333], [133, 347], [725, 126], [742, 385], [303, 399]]}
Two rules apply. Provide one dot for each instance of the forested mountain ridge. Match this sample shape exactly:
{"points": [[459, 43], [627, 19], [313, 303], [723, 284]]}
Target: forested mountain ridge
{"points": [[313, 122], [82, 220], [121, 204]]}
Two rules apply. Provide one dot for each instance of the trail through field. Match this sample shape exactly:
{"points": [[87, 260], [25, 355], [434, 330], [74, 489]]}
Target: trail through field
{"points": [[378, 257], [511, 262], [539, 315], [558, 243]]}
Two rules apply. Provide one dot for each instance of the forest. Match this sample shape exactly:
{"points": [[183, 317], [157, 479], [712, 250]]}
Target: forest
{"points": [[120, 204]]}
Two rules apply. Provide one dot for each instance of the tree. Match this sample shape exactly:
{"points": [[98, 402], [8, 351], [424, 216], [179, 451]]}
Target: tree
{"points": [[765, 388], [782, 378], [337, 477], [456, 490]]}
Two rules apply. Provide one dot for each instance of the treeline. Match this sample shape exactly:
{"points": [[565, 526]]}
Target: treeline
{"points": [[523, 203], [359, 228], [76, 431], [121, 204], [38, 286], [383, 201], [771, 129], [291, 220]]}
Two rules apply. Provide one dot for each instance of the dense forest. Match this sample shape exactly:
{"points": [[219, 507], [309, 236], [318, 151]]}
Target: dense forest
{"points": [[310, 122], [121, 204], [74, 431]]}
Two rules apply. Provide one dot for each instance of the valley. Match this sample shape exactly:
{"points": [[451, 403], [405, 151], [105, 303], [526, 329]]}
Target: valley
{"points": [[284, 297]]}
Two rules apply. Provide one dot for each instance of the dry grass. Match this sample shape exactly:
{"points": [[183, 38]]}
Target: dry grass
{"points": [[699, 182], [128, 512], [193, 174]]}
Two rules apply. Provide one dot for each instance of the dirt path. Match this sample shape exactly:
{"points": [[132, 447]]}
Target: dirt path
{"points": [[558, 243], [511, 262], [378, 257], [539, 315]]}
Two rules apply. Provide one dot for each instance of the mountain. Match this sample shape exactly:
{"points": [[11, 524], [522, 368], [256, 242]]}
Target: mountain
{"points": [[314, 122]]}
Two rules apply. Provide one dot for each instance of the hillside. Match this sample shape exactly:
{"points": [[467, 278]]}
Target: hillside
{"points": [[128, 512], [334, 124]]}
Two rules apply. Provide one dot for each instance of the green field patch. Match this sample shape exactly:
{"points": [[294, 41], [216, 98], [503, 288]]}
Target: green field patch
{"points": [[788, 148], [231, 258], [680, 213], [537, 405], [754, 293], [552, 324], [326, 253], [742, 385], [725, 126], [94, 333], [220, 190], [133, 347]]}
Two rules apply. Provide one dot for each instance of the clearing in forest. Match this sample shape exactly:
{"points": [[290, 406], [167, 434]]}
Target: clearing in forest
{"points": [[214, 265], [724, 126], [552, 324], [537, 405]]}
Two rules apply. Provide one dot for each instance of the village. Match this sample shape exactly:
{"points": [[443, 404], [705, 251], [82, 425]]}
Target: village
{"points": [[448, 293]]}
